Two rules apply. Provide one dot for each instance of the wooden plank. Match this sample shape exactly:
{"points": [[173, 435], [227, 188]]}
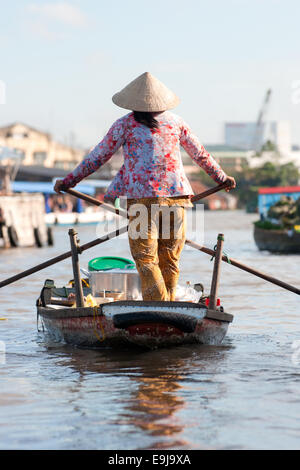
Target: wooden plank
{"points": [[49, 312], [76, 268], [216, 273], [68, 312], [220, 316]]}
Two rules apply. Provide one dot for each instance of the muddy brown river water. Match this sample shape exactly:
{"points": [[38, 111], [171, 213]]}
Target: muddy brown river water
{"points": [[244, 394]]}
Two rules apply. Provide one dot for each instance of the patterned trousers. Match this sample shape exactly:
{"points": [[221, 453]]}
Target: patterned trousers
{"points": [[156, 241]]}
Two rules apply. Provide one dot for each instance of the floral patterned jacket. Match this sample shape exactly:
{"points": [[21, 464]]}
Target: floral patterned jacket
{"points": [[152, 161]]}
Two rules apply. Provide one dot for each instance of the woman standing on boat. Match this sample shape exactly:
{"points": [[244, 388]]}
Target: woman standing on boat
{"points": [[152, 174]]}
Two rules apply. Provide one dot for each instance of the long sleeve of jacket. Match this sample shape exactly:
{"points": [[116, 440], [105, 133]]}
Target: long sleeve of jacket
{"points": [[98, 156], [197, 152]]}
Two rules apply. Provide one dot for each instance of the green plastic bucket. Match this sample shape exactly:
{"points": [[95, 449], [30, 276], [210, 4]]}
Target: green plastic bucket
{"points": [[104, 263]]}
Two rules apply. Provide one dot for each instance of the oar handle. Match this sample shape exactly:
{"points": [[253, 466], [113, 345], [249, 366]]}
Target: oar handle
{"points": [[210, 191]]}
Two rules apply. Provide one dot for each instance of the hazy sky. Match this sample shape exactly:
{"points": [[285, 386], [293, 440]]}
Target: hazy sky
{"points": [[62, 61]]}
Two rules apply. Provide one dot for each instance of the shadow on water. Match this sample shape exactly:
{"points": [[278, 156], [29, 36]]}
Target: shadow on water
{"points": [[153, 399]]}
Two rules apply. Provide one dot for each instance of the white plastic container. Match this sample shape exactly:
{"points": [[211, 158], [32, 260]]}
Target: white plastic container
{"points": [[123, 281]]}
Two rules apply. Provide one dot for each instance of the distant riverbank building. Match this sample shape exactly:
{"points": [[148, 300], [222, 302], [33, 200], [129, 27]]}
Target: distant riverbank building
{"points": [[36, 147]]}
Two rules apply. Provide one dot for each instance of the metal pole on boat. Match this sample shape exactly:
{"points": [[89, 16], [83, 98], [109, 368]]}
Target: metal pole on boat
{"points": [[216, 273], [76, 268]]}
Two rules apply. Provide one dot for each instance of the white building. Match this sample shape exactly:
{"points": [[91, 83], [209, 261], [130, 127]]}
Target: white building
{"points": [[242, 135], [246, 135], [280, 134]]}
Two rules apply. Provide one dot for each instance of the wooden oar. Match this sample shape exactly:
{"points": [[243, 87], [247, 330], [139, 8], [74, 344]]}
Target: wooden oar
{"points": [[122, 212], [246, 268], [98, 241], [93, 243], [210, 191], [122, 230], [61, 257], [208, 251], [96, 202]]}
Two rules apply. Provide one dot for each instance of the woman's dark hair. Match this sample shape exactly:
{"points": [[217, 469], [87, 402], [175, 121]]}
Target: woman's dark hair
{"points": [[146, 119]]}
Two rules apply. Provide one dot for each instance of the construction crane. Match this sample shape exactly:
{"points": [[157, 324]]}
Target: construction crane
{"points": [[260, 123]]}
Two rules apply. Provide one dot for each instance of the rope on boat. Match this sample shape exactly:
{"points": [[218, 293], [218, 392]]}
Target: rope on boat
{"points": [[97, 321], [220, 237]]}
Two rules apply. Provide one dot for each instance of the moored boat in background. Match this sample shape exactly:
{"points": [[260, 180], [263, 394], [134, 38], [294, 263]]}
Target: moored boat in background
{"points": [[277, 241], [63, 209], [74, 218], [22, 221], [278, 229], [22, 215]]}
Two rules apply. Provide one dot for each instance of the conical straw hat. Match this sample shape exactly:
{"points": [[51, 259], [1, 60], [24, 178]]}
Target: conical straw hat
{"points": [[146, 93]]}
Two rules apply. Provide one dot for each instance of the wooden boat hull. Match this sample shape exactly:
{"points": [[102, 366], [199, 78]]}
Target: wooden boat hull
{"points": [[277, 241], [146, 324]]}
